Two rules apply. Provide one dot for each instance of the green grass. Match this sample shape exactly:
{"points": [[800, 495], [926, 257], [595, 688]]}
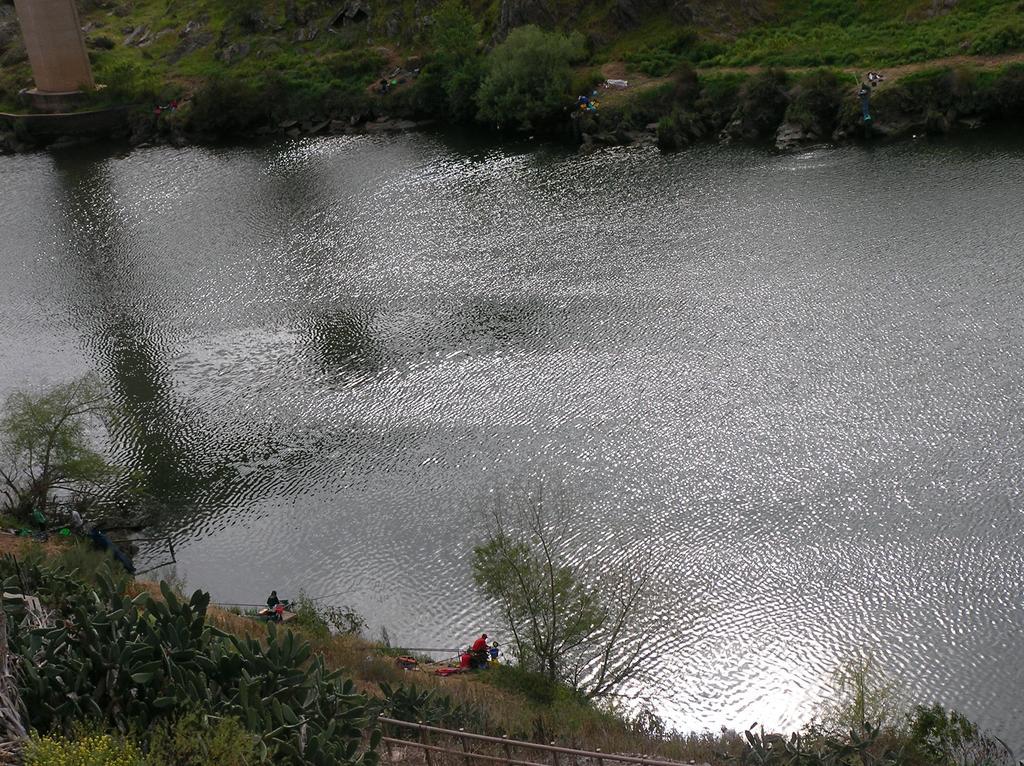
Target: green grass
{"points": [[869, 33], [877, 33]]}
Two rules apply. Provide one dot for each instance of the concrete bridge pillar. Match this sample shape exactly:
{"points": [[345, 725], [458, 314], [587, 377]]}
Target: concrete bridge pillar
{"points": [[56, 50]]}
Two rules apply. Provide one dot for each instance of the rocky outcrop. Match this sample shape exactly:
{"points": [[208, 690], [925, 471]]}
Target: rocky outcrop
{"points": [[387, 125], [138, 36], [790, 136], [631, 13], [193, 36], [352, 12], [941, 7], [234, 52], [516, 13], [719, 15]]}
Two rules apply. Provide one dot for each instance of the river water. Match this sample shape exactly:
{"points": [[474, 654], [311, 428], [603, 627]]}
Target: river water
{"points": [[791, 383]]}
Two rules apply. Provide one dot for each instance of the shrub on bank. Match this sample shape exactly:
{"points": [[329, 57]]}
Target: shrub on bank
{"points": [[226, 106], [455, 68], [762, 104], [535, 687], [814, 102], [1006, 93], [1007, 36], [194, 739], [527, 80], [137, 664]]}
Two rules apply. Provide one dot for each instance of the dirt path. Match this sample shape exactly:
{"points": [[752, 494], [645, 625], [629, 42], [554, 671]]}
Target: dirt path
{"points": [[17, 546], [620, 70]]}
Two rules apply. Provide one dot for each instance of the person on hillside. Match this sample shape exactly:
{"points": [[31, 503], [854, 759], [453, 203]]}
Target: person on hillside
{"points": [[272, 600], [479, 652], [493, 651], [865, 101]]}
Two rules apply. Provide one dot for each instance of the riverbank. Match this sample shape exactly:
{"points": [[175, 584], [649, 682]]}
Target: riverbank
{"points": [[778, 108], [778, 74], [286, 670]]}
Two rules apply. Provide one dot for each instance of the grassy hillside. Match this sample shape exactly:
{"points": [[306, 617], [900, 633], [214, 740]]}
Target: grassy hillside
{"points": [[865, 34], [160, 49]]}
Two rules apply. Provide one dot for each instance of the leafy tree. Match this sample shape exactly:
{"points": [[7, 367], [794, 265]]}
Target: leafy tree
{"points": [[45, 444], [561, 626], [815, 102], [456, 67], [762, 104], [938, 737], [528, 78], [861, 692]]}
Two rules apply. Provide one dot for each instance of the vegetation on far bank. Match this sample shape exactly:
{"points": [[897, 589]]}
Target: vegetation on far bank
{"points": [[247, 65]]}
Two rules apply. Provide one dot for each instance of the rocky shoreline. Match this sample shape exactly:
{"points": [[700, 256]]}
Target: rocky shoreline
{"points": [[905, 113]]}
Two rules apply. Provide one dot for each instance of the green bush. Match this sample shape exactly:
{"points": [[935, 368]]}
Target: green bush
{"points": [[941, 738], [409, 703], [1007, 37], [321, 620], [195, 739], [133, 664], [656, 62], [762, 104], [718, 99], [679, 45], [585, 80], [227, 106], [528, 78], [455, 67], [358, 67], [1006, 94], [927, 97], [814, 102], [668, 134], [685, 85], [534, 686]]}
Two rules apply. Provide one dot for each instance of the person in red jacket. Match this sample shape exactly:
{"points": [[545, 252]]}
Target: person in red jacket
{"points": [[479, 652]]}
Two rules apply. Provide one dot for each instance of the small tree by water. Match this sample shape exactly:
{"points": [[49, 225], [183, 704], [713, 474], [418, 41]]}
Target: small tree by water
{"points": [[563, 622], [528, 78], [45, 443]]}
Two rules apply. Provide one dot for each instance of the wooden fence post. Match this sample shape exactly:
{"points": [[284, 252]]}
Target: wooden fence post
{"points": [[508, 749], [600, 760], [554, 755], [387, 745], [462, 740], [425, 738]]}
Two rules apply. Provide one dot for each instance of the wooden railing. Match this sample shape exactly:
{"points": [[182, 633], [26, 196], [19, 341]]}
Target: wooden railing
{"points": [[445, 747]]}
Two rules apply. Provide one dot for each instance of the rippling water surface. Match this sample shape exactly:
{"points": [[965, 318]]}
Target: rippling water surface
{"points": [[793, 379]]}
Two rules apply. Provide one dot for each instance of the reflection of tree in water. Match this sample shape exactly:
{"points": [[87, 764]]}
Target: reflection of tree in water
{"points": [[500, 322], [360, 339], [169, 444], [340, 340]]}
